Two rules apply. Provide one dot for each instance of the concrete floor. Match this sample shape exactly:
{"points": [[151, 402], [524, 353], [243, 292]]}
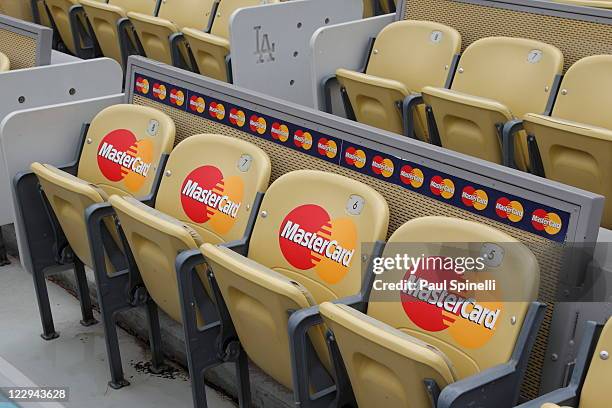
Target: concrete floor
{"points": [[78, 358]]}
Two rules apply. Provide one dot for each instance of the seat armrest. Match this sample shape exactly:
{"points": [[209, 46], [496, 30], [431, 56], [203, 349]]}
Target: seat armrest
{"points": [[241, 246], [509, 130], [409, 105]]}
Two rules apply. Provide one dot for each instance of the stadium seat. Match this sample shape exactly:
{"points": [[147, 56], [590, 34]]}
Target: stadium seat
{"points": [[306, 248], [589, 383], [417, 352], [20, 9], [155, 33], [5, 64], [377, 96], [70, 22], [498, 79], [574, 144], [121, 154], [40, 15], [376, 7], [211, 185], [108, 22], [211, 49]]}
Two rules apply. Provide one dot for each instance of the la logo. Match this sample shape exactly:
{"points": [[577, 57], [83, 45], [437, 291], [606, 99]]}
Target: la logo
{"points": [[263, 48]]}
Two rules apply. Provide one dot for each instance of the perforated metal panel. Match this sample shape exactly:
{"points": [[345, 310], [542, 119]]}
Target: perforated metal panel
{"points": [[20, 49], [404, 206], [577, 38]]}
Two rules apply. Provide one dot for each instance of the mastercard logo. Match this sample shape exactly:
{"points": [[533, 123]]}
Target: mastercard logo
{"points": [[216, 110], [512, 210], [142, 85], [327, 147], [546, 221], [382, 166], [258, 124], [237, 117], [159, 91], [302, 139], [355, 157], [477, 199], [123, 158], [412, 176], [310, 239], [208, 197], [177, 97], [442, 187], [197, 104], [280, 132], [470, 322]]}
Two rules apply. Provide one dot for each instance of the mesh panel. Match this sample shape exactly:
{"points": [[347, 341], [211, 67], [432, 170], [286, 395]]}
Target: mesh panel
{"points": [[20, 49], [576, 38], [404, 206]]}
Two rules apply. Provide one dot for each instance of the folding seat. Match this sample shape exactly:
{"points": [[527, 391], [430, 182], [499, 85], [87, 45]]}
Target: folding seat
{"points": [[158, 35], [20, 9], [69, 20], [211, 186], [405, 57], [112, 28], [574, 144], [589, 386], [306, 248], [122, 152], [211, 48], [498, 79], [376, 7], [5, 64], [420, 347]]}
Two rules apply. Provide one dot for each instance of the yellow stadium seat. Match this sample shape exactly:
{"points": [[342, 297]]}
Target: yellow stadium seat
{"points": [[69, 20], [20, 9], [497, 80], [210, 188], [417, 351], [155, 32], [405, 57], [211, 50], [574, 144], [5, 64], [110, 25], [121, 154], [306, 248]]}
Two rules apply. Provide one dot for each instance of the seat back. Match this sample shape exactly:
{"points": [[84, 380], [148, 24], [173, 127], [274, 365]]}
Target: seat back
{"points": [[206, 195], [586, 92], [104, 17], [596, 391], [186, 13], [124, 147], [473, 337], [306, 213], [5, 63], [20, 9], [517, 72], [431, 48]]}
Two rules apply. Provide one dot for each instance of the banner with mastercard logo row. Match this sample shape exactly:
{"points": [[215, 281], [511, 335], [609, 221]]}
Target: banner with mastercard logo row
{"points": [[520, 213]]}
